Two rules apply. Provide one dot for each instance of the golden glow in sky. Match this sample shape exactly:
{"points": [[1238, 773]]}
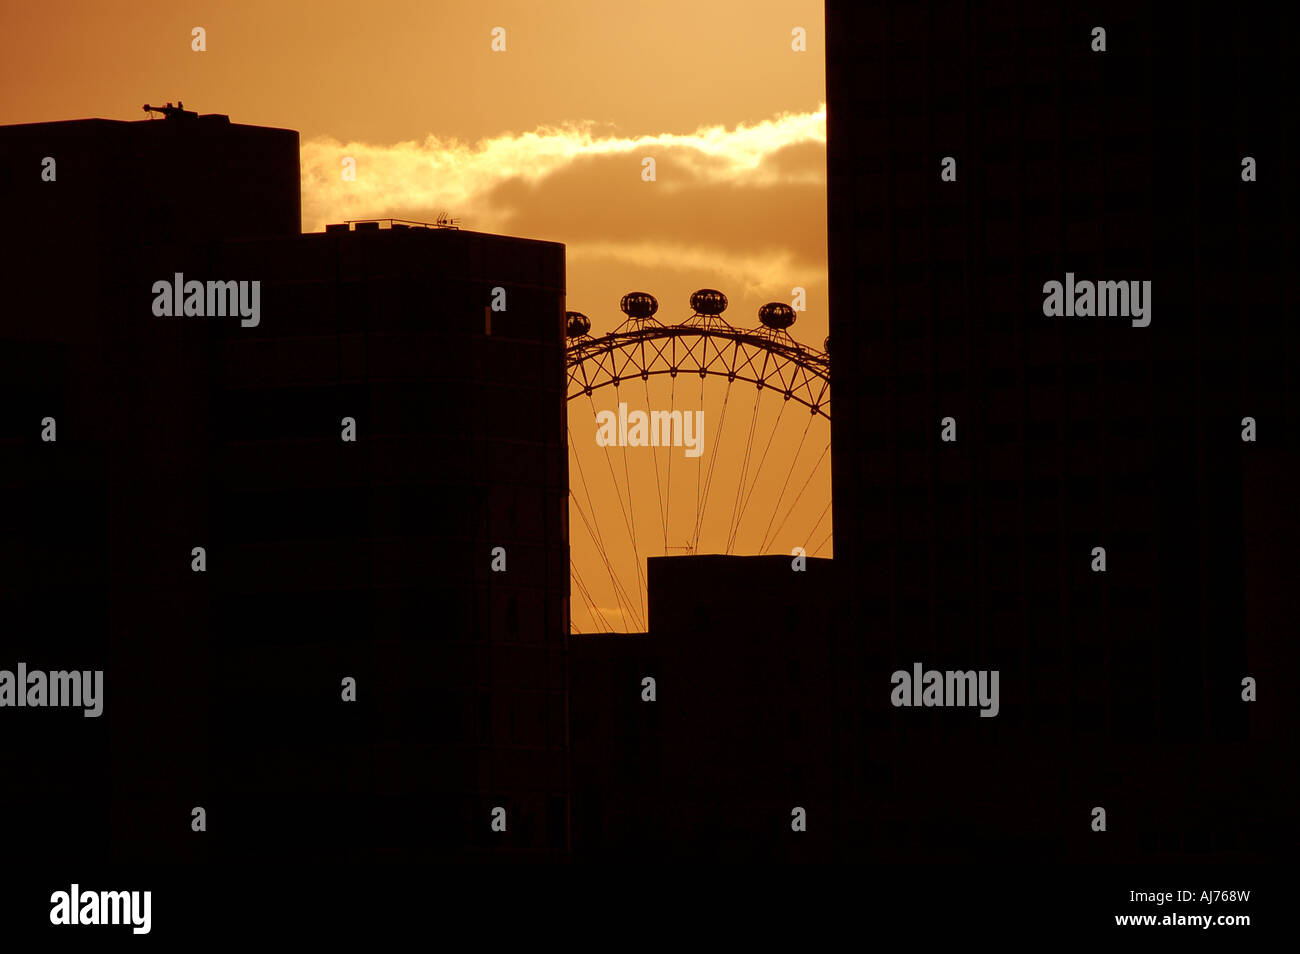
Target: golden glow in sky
{"points": [[545, 139]]}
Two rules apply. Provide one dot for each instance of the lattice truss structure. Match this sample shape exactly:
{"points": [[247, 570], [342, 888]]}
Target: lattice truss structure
{"points": [[703, 345]]}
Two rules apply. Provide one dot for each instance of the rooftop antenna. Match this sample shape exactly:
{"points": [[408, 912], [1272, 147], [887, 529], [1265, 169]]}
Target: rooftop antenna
{"points": [[171, 112]]}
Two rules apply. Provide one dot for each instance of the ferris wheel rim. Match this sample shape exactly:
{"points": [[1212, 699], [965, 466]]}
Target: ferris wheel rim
{"points": [[812, 390]]}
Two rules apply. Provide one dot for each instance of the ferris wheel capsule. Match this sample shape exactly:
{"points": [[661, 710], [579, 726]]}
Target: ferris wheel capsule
{"points": [[776, 315], [576, 324], [708, 301], [639, 305]]}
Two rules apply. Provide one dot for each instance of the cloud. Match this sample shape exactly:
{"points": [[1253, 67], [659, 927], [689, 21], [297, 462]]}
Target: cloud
{"points": [[750, 274], [745, 200]]}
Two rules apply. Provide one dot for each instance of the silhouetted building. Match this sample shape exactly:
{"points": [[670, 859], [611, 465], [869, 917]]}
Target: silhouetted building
{"points": [[977, 152], [105, 184], [734, 750], [348, 453]]}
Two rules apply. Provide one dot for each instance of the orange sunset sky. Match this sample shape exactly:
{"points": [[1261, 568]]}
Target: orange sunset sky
{"points": [[544, 140]]}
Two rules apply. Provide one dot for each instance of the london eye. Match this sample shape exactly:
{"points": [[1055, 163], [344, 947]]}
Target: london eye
{"points": [[756, 480]]}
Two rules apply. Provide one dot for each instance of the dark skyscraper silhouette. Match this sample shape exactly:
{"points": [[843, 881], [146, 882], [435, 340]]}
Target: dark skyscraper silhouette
{"points": [[1071, 501], [709, 761], [324, 558], [1121, 689]]}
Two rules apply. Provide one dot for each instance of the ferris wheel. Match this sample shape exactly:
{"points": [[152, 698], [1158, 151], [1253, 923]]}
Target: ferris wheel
{"points": [[654, 469]]}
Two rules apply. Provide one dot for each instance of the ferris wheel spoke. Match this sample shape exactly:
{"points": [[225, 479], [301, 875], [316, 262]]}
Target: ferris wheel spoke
{"points": [[699, 470], [658, 486], [759, 470], [585, 592], [636, 553], [820, 545], [592, 606], [668, 479], [744, 469], [775, 509], [713, 462], [626, 605], [816, 526], [799, 495], [620, 596], [593, 530], [627, 522]]}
